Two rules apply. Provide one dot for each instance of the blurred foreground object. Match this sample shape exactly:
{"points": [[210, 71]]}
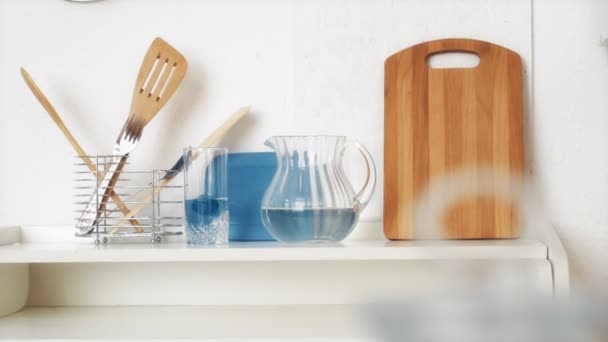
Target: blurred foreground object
{"points": [[482, 318]]}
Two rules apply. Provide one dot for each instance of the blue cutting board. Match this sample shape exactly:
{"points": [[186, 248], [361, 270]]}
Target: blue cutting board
{"points": [[249, 175]]}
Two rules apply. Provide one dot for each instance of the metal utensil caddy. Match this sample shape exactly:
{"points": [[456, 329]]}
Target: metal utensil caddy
{"points": [[133, 187]]}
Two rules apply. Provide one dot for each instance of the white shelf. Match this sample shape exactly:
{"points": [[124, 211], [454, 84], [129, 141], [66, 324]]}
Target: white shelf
{"points": [[242, 323], [32, 247], [253, 291]]}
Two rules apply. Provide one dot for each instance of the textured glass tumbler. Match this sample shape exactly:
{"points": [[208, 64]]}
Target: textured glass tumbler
{"points": [[206, 195]]}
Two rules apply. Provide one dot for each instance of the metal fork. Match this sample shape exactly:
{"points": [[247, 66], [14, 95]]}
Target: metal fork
{"points": [[161, 72], [127, 141]]}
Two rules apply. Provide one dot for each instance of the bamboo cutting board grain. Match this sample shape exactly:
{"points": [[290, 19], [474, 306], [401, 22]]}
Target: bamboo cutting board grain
{"points": [[453, 136]]}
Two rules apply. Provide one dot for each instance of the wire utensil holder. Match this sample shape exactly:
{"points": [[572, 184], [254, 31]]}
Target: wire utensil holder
{"points": [[131, 188]]}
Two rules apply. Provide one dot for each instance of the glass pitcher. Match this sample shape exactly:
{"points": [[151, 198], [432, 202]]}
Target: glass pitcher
{"points": [[310, 198]]}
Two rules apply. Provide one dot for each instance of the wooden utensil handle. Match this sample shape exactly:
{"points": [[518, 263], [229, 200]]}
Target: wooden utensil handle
{"points": [[106, 195], [217, 134]]}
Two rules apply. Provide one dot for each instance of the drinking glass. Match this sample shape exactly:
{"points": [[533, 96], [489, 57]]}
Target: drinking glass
{"points": [[206, 195]]}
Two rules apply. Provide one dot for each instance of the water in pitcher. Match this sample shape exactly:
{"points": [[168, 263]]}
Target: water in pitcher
{"points": [[320, 225]]}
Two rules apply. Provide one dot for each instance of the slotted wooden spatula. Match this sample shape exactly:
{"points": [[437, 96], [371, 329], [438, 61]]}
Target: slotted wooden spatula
{"points": [[161, 72]]}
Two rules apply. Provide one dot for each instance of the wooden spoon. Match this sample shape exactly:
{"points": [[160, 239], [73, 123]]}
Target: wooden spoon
{"points": [[46, 104]]}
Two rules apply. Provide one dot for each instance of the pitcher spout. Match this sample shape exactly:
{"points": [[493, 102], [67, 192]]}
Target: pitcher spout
{"points": [[271, 142]]}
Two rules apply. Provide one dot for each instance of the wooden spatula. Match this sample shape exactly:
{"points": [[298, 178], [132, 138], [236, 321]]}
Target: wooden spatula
{"points": [[161, 72]]}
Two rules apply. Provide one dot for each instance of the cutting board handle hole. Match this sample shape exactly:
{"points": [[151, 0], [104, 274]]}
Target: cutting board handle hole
{"points": [[453, 60]]}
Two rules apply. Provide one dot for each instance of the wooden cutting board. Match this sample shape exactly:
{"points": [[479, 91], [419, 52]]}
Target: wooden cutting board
{"points": [[453, 143]]}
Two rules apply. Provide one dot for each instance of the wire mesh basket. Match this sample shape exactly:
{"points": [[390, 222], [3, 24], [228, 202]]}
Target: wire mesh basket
{"points": [[142, 204]]}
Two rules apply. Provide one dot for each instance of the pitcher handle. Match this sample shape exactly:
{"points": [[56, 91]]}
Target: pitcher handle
{"points": [[367, 190]]}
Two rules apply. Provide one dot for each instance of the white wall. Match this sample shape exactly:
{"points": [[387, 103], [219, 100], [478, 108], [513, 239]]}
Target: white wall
{"points": [[305, 67], [571, 128]]}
